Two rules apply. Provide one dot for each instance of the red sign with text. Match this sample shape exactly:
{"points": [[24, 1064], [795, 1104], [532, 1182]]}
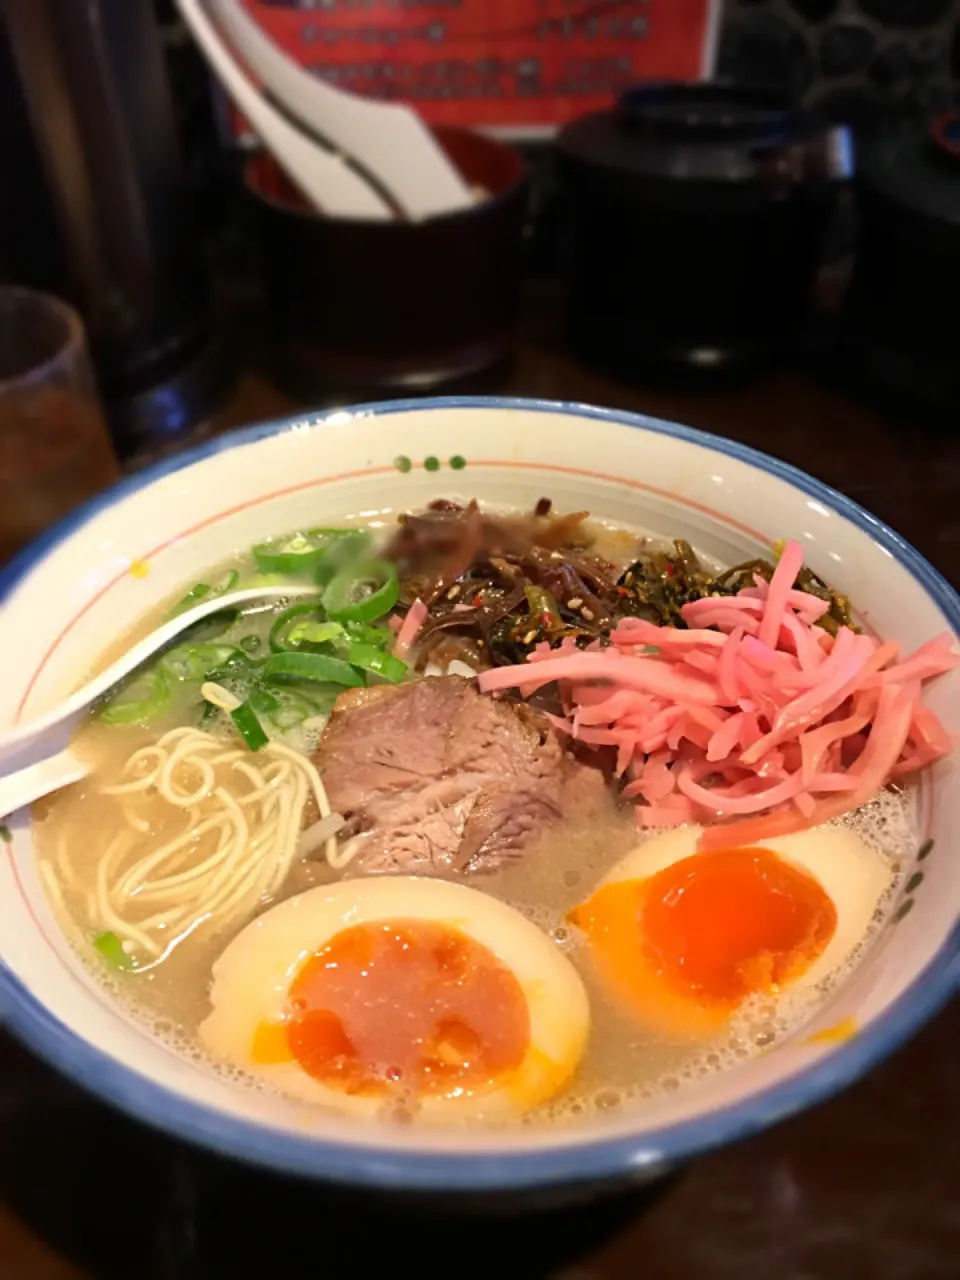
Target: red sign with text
{"points": [[508, 63]]}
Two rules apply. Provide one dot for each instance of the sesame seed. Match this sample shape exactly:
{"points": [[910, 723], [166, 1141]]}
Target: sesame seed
{"points": [[575, 603], [556, 555], [453, 593], [531, 635], [586, 614], [629, 578]]}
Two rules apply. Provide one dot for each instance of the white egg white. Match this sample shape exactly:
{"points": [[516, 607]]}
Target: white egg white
{"points": [[252, 977], [854, 877]]}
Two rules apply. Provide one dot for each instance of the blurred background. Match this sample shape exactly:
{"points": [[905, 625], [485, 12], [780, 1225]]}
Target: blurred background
{"points": [[739, 214], [662, 239]]}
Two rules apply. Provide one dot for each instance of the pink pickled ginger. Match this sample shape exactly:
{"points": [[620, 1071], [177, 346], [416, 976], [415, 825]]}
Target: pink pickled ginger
{"points": [[753, 713]]}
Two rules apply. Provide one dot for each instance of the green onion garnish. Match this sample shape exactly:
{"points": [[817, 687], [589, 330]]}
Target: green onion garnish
{"points": [[193, 596], [262, 700], [251, 730], [126, 707], [111, 949], [291, 711], [290, 618], [343, 551], [195, 661], [362, 592], [379, 637], [203, 591], [310, 633], [311, 666], [208, 628], [300, 555], [370, 658]]}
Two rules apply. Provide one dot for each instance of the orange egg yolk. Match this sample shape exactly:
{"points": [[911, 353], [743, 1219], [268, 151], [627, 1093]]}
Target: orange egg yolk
{"points": [[405, 1005], [690, 943]]}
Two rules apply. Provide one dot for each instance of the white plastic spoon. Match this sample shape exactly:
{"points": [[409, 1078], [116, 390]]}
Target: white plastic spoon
{"points": [[38, 749], [389, 140], [41, 779], [324, 177]]}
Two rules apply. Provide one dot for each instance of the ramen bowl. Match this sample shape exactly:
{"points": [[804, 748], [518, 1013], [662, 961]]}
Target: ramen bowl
{"points": [[89, 580]]}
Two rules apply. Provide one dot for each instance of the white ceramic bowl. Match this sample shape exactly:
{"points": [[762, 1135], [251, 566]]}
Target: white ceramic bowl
{"points": [[90, 578]]}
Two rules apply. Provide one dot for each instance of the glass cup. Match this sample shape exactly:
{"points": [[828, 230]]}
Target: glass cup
{"points": [[54, 447]]}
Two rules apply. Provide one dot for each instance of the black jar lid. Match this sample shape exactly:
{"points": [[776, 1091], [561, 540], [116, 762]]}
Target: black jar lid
{"points": [[917, 168], [709, 132]]}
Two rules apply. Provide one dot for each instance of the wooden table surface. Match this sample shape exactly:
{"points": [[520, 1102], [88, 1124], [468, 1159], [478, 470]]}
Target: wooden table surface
{"points": [[866, 1187]]}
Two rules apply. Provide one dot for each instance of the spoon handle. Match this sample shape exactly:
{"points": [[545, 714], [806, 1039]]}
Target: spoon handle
{"points": [[332, 186], [19, 789], [21, 735]]}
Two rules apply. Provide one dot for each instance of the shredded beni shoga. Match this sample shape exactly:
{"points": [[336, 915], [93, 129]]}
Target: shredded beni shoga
{"points": [[751, 712]]}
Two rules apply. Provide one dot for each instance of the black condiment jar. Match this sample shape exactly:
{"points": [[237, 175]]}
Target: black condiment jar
{"points": [[366, 308], [897, 328], [696, 217]]}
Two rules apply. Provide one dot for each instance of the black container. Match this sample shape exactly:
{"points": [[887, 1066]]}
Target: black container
{"points": [[897, 325], [697, 215], [97, 122], [368, 306]]}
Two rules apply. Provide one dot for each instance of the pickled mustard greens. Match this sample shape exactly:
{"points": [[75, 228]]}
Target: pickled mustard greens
{"points": [[658, 584], [496, 587]]}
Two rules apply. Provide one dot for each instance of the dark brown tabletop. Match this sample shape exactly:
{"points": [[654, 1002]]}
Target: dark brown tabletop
{"points": [[866, 1186]]}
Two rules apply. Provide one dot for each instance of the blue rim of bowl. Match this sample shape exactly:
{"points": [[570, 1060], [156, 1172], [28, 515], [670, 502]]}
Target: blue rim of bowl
{"points": [[600, 1160]]}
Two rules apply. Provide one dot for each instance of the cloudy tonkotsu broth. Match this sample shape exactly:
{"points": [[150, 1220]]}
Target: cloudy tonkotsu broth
{"points": [[152, 882]]}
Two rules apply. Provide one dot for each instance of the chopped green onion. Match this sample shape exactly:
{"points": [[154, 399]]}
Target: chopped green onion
{"points": [[311, 666], [195, 661], [317, 695], [193, 596], [379, 637], [342, 552], [372, 659], [291, 711], [111, 949], [288, 619], [215, 624], [262, 700], [125, 707], [203, 591], [301, 554], [250, 644], [237, 671], [310, 633], [208, 711], [251, 730], [362, 592]]}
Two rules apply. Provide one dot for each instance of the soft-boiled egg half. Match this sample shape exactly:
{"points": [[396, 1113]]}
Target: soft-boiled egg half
{"points": [[685, 938], [403, 991]]}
